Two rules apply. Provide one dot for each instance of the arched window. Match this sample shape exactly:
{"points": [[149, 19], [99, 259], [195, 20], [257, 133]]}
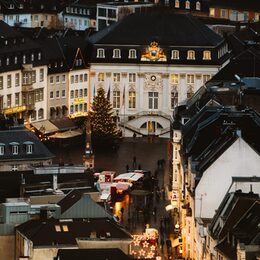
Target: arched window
{"points": [[40, 113], [132, 54], [101, 76], [191, 55], [206, 55], [100, 53], [175, 55], [116, 54], [198, 6], [187, 4]]}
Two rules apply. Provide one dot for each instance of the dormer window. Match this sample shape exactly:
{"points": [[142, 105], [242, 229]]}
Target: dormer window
{"points": [[24, 59], [14, 147], [28, 147], [198, 6], [132, 54], [177, 4], [191, 55], [61, 63], [6, 42], [187, 4], [175, 55], [116, 54], [42, 6], [15, 60], [7, 61], [39, 55], [11, 6], [206, 55], [2, 149], [21, 6], [100, 53], [32, 57]]}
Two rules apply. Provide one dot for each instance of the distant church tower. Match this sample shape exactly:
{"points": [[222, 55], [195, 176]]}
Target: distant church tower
{"points": [[88, 157]]}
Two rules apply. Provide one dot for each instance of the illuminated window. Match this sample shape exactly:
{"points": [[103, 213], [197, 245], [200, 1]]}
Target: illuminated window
{"points": [[101, 76], [2, 149], [41, 75], [132, 54], [116, 77], [177, 4], [17, 79], [29, 148], [132, 99], [175, 78], [116, 54], [206, 55], [175, 55], [65, 228], [100, 53], [15, 149], [191, 55], [9, 81], [132, 77], [153, 100], [116, 99], [198, 6], [187, 4], [57, 228], [212, 12], [190, 78], [205, 78]]}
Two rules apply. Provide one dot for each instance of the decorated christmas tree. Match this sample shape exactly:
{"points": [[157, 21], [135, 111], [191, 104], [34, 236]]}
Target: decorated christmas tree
{"points": [[104, 129]]}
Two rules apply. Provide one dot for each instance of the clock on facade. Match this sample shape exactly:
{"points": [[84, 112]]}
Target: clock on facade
{"points": [[153, 78]]}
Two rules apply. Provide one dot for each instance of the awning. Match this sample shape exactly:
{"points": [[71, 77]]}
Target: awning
{"points": [[104, 196], [45, 127], [176, 242], [131, 176], [67, 134], [64, 123]]}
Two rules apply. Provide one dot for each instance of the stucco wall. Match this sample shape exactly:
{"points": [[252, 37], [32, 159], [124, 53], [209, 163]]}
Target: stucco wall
{"points": [[238, 160], [7, 247]]}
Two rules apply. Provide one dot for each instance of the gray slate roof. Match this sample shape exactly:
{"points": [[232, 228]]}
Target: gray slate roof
{"points": [[21, 136], [168, 29]]}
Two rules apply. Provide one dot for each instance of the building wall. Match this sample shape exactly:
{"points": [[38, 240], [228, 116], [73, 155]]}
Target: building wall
{"points": [[57, 95], [30, 96], [7, 247], [240, 160], [22, 166], [78, 102], [121, 244], [147, 79]]}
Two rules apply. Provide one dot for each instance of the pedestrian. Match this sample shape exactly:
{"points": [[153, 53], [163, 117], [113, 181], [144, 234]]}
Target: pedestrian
{"points": [[154, 211], [134, 162], [162, 243], [165, 222]]}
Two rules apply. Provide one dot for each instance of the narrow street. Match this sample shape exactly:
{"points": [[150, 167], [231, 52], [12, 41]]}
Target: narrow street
{"points": [[139, 210]]}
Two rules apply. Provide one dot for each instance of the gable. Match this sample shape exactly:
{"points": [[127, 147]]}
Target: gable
{"points": [[85, 208]]}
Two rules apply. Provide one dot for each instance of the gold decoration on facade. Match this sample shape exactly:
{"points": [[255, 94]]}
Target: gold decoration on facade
{"points": [[153, 53]]}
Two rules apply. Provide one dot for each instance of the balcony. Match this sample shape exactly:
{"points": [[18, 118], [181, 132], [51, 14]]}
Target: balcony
{"points": [[27, 87]]}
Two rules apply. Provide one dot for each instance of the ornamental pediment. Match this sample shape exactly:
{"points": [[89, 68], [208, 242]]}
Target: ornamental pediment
{"points": [[153, 52]]}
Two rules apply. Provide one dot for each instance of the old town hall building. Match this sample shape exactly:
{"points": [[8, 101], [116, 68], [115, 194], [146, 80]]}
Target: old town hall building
{"points": [[149, 62]]}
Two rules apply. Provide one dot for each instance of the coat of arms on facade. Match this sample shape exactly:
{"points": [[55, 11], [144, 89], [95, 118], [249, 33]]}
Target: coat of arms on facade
{"points": [[153, 53]]}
